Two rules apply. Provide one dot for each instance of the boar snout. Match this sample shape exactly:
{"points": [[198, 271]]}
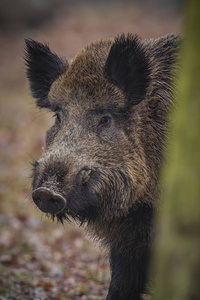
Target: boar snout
{"points": [[48, 201]]}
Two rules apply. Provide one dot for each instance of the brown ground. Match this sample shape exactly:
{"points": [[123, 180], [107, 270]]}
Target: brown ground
{"points": [[39, 259]]}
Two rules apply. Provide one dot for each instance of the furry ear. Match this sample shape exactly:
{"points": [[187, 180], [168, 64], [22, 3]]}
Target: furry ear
{"points": [[127, 67], [43, 68]]}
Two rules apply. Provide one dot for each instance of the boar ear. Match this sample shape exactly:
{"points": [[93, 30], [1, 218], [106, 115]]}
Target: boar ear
{"points": [[127, 67], [43, 68]]}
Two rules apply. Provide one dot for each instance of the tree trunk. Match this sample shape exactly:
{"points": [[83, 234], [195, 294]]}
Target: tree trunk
{"points": [[176, 263]]}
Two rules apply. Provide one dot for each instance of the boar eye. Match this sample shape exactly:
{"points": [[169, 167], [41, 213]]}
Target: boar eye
{"points": [[58, 117], [105, 121]]}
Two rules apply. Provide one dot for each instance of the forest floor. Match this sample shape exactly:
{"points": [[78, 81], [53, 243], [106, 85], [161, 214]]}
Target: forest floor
{"points": [[41, 260]]}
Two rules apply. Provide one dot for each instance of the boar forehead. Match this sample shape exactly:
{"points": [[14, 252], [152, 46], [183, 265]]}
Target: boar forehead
{"points": [[90, 92], [84, 81]]}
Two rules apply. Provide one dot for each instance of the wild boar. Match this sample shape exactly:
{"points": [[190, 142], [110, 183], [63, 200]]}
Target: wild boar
{"points": [[103, 155]]}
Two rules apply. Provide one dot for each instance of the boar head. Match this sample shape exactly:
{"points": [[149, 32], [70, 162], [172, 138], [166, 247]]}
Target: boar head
{"points": [[102, 155]]}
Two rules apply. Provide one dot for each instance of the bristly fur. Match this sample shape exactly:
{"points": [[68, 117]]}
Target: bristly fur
{"points": [[127, 67], [43, 68]]}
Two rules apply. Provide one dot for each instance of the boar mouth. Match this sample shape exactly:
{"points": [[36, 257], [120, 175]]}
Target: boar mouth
{"points": [[49, 201]]}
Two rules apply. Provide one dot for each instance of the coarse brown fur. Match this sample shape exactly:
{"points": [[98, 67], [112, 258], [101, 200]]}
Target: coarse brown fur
{"points": [[103, 155]]}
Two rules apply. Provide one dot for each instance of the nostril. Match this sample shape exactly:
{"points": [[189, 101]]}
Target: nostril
{"points": [[48, 201], [37, 201]]}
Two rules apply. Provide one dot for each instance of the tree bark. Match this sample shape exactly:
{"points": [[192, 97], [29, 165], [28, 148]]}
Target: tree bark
{"points": [[176, 263]]}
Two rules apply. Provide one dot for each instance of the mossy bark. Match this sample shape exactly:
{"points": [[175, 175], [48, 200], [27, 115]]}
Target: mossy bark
{"points": [[176, 263]]}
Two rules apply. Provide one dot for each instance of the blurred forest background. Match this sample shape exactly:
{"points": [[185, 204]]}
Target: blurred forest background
{"points": [[39, 259]]}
